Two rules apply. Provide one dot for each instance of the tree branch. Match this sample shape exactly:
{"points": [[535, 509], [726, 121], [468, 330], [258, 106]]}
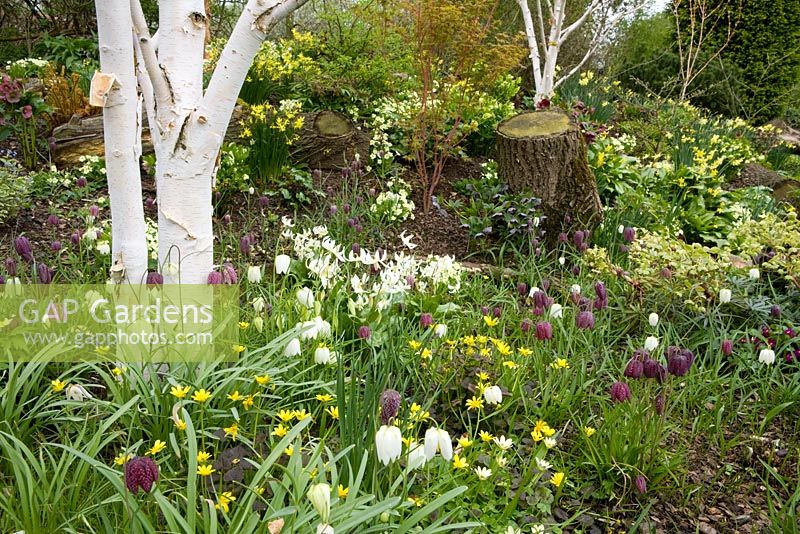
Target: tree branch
{"points": [[147, 55]]}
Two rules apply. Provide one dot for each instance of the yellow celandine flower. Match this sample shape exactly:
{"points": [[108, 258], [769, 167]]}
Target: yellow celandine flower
{"points": [[464, 442], [224, 501], [301, 414], [418, 502], [557, 479], [459, 462], [119, 371], [413, 344], [524, 352], [205, 470], [327, 397], [426, 354], [288, 451], [485, 436], [485, 352], [540, 426], [244, 325], [262, 380], [536, 435], [157, 447], [468, 340], [451, 343], [511, 364], [203, 457], [490, 321], [286, 415], [232, 431], [280, 431], [105, 350], [235, 396], [248, 401], [201, 396], [180, 392], [503, 348], [180, 424], [238, 349], [483, 340], [122, 458], [57, 385], [342, 492], [483, 377], [560, 363], [475, 403], [589, 431], [333, 411]]}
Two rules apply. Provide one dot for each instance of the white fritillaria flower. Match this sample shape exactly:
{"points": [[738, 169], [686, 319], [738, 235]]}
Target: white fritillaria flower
{"points": [[754, 274], [324, 528], [323, 355], [650, 343], [493, 395], [503, 442], [562, 260], [513, 530], [320, 497], [305, 297], [254, 274], [259, 304], [766, 356], [440, 330], [576, 288], [76, 392], [725, 296], [556, 311], [103, 247], [416, 456], [388, 443], [438, 440], [292, 348], [282, 263], [653, 319]]}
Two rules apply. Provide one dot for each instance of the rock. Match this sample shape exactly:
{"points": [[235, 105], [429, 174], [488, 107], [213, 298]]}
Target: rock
{"points": [[756, 175]]}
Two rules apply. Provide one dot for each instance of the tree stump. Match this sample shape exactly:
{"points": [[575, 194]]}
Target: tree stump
{"points": [[543, 153], [329, 141]]}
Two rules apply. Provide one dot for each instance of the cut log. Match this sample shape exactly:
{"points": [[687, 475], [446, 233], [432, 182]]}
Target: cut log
{"points": [[544, 153], [83, 136], [329, 141]]}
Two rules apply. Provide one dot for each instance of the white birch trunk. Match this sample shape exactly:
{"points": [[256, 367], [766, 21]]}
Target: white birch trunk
{"points": [[120, 115]]}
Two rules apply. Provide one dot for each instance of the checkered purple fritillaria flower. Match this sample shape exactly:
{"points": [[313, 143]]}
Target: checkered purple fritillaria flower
{"points": [[140, 473]]}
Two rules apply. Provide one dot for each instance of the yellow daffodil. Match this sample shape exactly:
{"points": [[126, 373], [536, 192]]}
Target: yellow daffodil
{"points": [[157, 447], [205, 470], [180, 392], [201, 396]]}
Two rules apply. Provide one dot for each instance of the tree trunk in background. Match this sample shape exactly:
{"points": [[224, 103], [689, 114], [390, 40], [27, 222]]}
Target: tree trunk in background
{"points": [[121, 112], [544, 153]]}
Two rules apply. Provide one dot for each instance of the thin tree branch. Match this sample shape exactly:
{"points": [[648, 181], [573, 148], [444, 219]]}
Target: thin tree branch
{"points": [[158, 83]]}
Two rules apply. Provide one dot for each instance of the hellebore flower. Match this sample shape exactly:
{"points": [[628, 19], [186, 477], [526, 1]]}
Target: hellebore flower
{"points": [[544, 331], [292, 348], [388, 443], [141, 472], [620, 392], [493, 395], [766, 356], [23, 248], [282, 262], [634, 369], [305, 297], [390, 404], [724, 296], [585, 320], [254, 274], [727, 347], [320, 497], [438, 440]]}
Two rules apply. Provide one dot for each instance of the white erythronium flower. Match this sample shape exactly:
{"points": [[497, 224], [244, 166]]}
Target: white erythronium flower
{"points": [[725, 296], [282, 262], [550, 442], [388, 443], [493, 395], [438, 440], [323, 355], [556, 311], [653, 319], [305, 297], [542, 464], [320, 497], [416, 456], [651, 343], [292, 348], [766, 356], [406, 240], [504, 442], [254, 274], [440, 330], [483, 472], [76, 392], [754, 273]]}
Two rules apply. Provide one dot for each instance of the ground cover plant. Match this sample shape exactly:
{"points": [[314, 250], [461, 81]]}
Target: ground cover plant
{"points": [[414, 353]]}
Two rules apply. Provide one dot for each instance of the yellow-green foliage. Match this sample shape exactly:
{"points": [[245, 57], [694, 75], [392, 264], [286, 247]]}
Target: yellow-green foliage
{"points": [[13, 191], [771, 234]]}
